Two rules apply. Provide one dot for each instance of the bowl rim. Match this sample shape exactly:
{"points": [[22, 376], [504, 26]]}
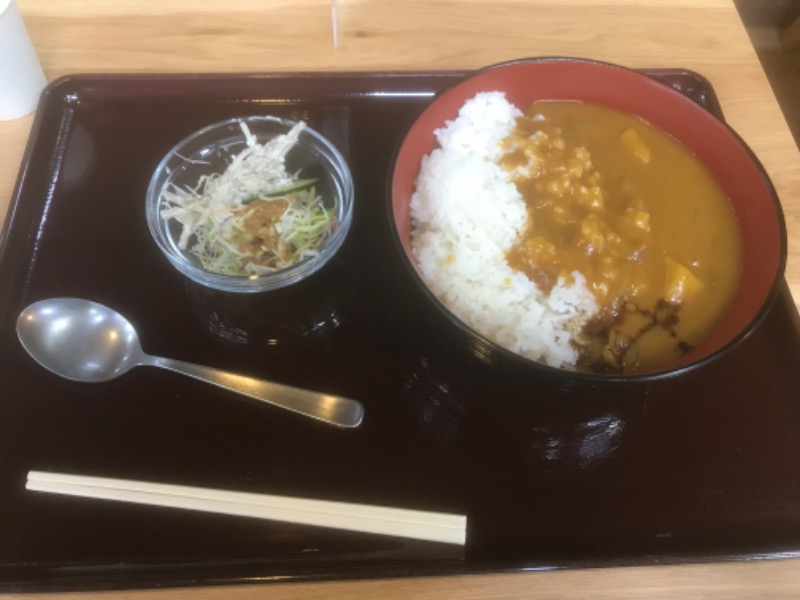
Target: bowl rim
{"points": [[777, 284], [270, 281]]}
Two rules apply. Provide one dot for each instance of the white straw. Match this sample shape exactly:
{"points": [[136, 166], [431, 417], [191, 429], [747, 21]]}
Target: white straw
{"points": [[415, 524], [334, 24]]}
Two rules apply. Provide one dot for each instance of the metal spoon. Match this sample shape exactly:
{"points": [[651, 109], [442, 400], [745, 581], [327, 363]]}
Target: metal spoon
{"points": [[86, 341]]}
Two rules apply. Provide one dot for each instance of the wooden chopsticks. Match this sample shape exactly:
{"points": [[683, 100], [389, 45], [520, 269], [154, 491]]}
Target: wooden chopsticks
{"points": [[421, 525]]}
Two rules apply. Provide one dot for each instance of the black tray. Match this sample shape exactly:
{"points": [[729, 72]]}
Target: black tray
{"points": [[698, 467]]}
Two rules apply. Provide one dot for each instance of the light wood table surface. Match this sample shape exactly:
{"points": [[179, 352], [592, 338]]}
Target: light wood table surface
{"points": [[296, 35]]}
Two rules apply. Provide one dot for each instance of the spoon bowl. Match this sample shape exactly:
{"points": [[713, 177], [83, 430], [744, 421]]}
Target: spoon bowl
{"points": [[78, 339], [88, 342]]}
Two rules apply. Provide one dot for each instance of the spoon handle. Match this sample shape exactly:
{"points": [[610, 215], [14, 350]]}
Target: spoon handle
{"points": [[336, 410]]}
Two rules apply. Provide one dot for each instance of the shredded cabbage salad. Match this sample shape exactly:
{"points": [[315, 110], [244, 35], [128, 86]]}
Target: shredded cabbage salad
{"points": [[255, 217]]}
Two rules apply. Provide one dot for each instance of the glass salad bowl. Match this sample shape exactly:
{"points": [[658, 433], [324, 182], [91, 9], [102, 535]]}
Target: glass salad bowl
{"points": [[250, 204]]}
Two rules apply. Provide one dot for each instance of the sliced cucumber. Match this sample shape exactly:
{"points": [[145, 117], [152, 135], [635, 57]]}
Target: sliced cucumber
{"points": [[296, 186]]}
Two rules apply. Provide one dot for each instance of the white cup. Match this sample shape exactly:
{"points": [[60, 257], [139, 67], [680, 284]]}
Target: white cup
{"points": [[21, 76]]}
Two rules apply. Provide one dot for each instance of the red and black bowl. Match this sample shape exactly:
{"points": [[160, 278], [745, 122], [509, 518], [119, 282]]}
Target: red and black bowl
{"points": [[723, 153]]}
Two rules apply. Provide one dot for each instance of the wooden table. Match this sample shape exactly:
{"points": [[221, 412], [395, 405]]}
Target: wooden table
{"points": [[281, 35]]}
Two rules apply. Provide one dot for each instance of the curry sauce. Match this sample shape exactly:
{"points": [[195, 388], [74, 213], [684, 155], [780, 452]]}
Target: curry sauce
{"points": [[619, 201]]}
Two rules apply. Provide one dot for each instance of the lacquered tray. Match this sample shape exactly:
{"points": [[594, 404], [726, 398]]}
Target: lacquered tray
{"points": [[697, 467]]}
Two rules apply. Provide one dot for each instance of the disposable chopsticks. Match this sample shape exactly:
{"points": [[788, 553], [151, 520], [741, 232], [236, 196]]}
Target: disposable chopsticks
{"points": [[400, 522]]}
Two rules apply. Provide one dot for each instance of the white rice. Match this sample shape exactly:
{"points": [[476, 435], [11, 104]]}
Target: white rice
{"points": [[466, 215]]}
